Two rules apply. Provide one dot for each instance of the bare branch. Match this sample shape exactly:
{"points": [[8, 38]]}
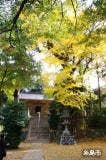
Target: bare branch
{"points": [[14, 21], [75, 13], [62, 11], [87, 64], [3, 78], [19, 12]]}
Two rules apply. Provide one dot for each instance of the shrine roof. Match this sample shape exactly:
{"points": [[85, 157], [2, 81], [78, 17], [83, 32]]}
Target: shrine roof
{"points": [[32, 96]]}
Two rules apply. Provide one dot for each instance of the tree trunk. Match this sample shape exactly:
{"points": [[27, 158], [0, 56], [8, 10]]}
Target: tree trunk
{"points": [[99, 91]]}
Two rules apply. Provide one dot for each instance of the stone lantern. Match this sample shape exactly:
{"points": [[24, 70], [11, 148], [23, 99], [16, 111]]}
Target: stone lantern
{"points": [[66, 137]]}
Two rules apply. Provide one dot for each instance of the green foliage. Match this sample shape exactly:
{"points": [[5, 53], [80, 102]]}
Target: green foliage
{"points": [[53, 121], [56, 106], [98, 119], [56, 121], [17, 69], [54, 117], [77, 36], [15, 118], [3, 98]]}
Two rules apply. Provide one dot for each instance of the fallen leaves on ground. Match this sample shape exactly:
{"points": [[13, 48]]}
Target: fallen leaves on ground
{"points": [[54, 151], [17, 154], [74, 152]]}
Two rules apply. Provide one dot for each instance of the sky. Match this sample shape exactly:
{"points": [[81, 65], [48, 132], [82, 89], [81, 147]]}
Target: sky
{"points": [[90, 79], [89, 2]]}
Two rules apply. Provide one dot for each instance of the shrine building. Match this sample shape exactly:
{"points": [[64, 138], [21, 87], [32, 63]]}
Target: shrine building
{"points": [[37, 104]]}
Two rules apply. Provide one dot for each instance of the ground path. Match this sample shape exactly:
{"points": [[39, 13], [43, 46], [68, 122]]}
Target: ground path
{"points": [[33, 155], [53, 151], [26, 151]]}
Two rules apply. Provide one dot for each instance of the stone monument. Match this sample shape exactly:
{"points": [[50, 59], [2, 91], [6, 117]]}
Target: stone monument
{"points": [[66, 137]]}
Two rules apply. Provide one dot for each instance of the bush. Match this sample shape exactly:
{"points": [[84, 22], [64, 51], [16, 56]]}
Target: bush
{"points": [[53, 121], [98, 120], [15, 119]]}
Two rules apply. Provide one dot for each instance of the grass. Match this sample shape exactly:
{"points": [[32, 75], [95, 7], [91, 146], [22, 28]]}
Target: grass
{"points": [[54, 151]]}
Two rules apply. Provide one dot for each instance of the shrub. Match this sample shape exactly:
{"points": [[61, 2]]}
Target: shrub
{"points": [[98, 120], [15, 119], [53, 121]]}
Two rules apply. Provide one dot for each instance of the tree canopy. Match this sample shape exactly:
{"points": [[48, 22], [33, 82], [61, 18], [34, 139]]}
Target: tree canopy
{"points": [[72, 35]]}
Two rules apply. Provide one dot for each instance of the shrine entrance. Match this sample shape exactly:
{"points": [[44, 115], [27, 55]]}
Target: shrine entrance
{"points": [[37, 109], [37, 106], [38, 129]]}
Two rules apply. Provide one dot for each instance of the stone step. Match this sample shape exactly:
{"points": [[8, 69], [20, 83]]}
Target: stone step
{"points": [[38, 141], [38, 134], [40, 124], [40, 127], [40, 130], [33, 138], [38, 137]]}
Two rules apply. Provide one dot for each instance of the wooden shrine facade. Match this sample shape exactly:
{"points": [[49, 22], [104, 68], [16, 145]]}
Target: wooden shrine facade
{"points": [[35, 103]]}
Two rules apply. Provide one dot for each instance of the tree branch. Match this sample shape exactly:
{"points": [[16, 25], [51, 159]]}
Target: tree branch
{"points": [[15, 18], [19, 12], [87, 64], [75, 13], [2, 81]]}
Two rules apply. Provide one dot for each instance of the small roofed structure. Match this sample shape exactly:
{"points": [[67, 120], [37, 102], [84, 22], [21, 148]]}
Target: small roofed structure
{"points": [[37, 105], [35, 100]]}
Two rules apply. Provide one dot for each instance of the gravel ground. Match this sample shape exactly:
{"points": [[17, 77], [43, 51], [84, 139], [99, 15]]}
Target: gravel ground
{"points": [[61, 152]]}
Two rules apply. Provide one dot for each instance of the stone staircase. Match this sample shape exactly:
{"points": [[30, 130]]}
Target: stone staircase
{"points": [[38, 129]]}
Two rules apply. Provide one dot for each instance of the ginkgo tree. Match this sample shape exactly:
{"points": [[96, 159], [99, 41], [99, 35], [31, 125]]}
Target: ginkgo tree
{"points": [[75, 53], [68, 86], [72, 32]]}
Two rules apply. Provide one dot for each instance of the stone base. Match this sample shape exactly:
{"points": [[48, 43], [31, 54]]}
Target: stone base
{"points": [[67, 139]]}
